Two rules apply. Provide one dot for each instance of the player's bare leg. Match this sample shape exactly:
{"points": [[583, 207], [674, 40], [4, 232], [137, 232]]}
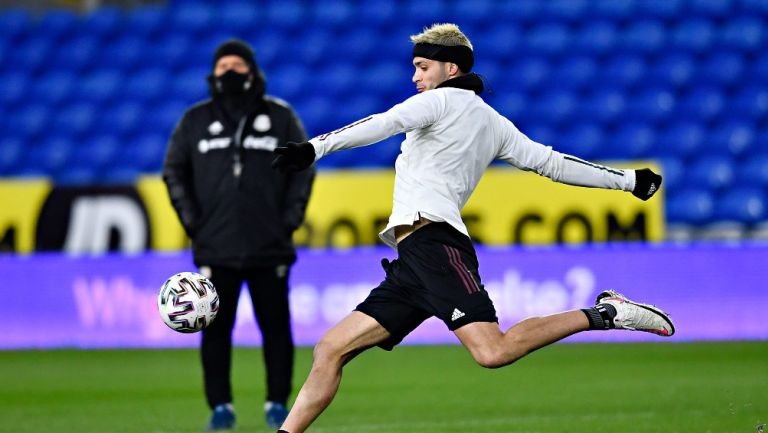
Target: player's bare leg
{"points": [[492, 348], [353, 335]]}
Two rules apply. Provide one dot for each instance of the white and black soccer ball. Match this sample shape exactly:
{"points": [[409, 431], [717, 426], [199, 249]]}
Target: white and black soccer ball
{"points": [[188, 302]]}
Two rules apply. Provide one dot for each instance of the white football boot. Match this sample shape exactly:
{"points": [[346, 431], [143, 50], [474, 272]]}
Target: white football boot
{"points": [[635, 316]]}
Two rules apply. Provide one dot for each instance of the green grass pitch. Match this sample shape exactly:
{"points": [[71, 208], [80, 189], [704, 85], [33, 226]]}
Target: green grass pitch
{"points": [[625, 388]]}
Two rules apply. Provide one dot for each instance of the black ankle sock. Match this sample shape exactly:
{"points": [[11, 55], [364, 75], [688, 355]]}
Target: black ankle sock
{"points": [[282, 431], [600, 316]]}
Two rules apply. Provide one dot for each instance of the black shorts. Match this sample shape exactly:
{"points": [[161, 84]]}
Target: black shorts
{"points": [[435, 274]]}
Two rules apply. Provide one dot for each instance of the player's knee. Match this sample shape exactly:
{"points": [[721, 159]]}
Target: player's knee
{"points": [[491, 357], [327, 351]]}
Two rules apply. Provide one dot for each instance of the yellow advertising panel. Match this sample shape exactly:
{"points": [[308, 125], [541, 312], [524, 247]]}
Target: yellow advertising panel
{"points": [[349, 208], [166, 232], [21, 203], [508, 207]]}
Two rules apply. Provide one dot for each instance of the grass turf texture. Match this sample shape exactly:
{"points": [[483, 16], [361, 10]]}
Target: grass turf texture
{"points": [[690, 387]]}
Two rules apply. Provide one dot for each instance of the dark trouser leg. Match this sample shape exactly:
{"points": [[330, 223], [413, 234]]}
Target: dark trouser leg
{"points": [[216, 347], [269, 293]]}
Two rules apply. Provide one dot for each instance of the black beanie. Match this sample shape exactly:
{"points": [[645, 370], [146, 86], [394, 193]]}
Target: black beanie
{"points": [[238, 48]]}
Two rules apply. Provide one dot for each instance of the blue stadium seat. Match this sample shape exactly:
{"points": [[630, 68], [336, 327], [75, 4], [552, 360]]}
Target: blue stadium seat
{"points": [[504, 39], [190, 85], [147, 85], [575, 72], [100, 85], [14, 88], [529, 73], [744, 33], [713, 172], [701, 104], [603, 105], [746, 205], [564, 10], [749, 102], [240, 16], [290, 81], [14, 23], [596, 37], [734, 138], [51, 155], [317, 114], [76, 175], [693, 35], [333, 13], [12, 151], [548, 38], [690, 206], [77, 54], [511, 104], [173, 49], [680, 139], [582, 139], [722, 68], [542, 132], [144, 152], [191, 17], [127, 51], [376, 13], [338, 79], [75, 119], [54, 87], [623, 70], [553, 106], [121, 175], [612, 9], [647, 36], [753, 172], [57, 24], [124, 118], [312, 49], [630, 141], [387, 77], [31, 120], [359, 45], [710, 8], [673, 170], [667, 9], [103, 22], [147, 21], [163, 117], [33, 54], [480, 12], [97, 152], [286, 15], [674, 69], [415, 16], [651, 103]]}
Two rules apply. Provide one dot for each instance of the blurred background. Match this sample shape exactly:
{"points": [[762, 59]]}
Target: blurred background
{"points": [[91, 90]]}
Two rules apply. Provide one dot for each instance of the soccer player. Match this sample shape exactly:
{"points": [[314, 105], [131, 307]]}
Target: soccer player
{"points": [[451, 137]]}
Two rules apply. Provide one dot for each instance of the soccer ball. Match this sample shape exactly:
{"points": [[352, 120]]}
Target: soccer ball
{"points": [[188, 302]]}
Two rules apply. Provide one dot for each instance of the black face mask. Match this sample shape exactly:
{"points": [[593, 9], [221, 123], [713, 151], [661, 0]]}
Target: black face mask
{"points": [[231, 83]]}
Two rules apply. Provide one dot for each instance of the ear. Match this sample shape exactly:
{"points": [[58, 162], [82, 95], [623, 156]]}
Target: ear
{"points": [[453, 70]]}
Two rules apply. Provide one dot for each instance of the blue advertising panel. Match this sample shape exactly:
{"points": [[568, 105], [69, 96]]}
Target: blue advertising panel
{"points": [[713, 293]]}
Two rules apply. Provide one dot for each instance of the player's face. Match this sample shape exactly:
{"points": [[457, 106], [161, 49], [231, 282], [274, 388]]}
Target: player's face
{"points": [[231, 62], [429, 73]]}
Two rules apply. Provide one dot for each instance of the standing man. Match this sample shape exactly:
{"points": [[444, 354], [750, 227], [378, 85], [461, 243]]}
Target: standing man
{"points": [[451, 136], [240, 215]]}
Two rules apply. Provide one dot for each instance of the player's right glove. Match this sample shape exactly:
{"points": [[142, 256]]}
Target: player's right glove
{"points": [[294, 156], [646, 184]]}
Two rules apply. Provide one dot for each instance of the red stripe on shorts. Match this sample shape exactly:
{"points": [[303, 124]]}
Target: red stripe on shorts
{"points": [[458, 266]]}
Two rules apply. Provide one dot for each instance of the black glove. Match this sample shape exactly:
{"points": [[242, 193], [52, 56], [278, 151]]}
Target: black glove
{"points": [[294, 156], [646, 184]]}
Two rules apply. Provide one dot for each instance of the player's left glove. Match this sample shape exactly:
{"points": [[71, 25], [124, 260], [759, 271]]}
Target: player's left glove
{"points": [[294, 156], [646, 184]]}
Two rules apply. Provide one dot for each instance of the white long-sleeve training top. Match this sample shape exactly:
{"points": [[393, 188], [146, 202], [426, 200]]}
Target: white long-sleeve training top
{"points": [[451, 136]]}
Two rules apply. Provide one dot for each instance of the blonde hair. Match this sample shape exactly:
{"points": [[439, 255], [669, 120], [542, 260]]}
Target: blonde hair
{"points": [[442, 34]]}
